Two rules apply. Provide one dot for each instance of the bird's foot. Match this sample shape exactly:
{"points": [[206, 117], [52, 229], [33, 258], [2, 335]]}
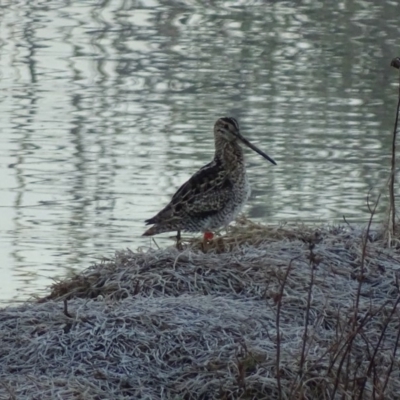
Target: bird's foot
{"points": [[207, 237]]}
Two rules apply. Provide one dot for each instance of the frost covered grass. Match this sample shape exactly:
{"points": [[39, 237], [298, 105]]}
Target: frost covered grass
{"points": [[261, 313]]}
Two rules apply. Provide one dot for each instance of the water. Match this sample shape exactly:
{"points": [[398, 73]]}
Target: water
{"points": [[108, 107]]}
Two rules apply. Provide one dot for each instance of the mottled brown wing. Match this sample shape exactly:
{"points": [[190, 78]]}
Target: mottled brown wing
{"points": [[203, 195]]}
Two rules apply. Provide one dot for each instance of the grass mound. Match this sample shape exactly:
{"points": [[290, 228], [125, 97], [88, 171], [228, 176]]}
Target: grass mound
{"points": [[262, 313]]}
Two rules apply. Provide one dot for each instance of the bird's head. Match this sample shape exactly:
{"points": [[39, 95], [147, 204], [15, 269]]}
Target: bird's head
{"points": [[227, 128]]}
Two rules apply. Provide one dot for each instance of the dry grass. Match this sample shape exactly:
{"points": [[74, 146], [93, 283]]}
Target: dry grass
{"points": [[267, 313]]}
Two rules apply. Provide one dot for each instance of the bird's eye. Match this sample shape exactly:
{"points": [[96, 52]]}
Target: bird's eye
{"points": [[226, 126]]}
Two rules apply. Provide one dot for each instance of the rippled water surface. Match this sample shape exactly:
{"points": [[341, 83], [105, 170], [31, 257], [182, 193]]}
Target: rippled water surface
{"points": [[107, 107]]}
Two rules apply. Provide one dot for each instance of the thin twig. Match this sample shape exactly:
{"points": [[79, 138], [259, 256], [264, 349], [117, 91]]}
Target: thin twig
{"points": [[294, 384], [309, 295], [278, 335], [355, 329], [386, 323], [363, 255], [66, 309], [347, 349], [393, 357], [393, 161]]}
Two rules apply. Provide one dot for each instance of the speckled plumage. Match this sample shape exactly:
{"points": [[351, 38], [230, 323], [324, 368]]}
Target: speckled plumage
{"points": [[216, 193]]}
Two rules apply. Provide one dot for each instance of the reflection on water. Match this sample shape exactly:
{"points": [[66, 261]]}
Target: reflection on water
{"points": [[108, 107]]}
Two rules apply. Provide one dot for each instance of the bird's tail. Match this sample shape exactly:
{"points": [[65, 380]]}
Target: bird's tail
{"points": [[151, 231], [158, 228]]}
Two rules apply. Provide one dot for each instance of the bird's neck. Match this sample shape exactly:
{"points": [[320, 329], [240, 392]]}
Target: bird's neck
{"points": [[229, 153]]}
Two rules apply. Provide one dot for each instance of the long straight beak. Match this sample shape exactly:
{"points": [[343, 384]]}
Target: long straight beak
{"points": [[256, 149]]}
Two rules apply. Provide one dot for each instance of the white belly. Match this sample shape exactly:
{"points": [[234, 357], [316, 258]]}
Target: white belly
{"points": [[243, 195]]}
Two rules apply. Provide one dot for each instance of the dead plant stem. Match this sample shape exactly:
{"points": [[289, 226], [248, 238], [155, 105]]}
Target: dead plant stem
{"points": [[278, 334], [309, 295], [393, 167]]}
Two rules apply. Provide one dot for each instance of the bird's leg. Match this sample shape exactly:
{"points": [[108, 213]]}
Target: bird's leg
{"points": [[219, 242], [178, 240]]}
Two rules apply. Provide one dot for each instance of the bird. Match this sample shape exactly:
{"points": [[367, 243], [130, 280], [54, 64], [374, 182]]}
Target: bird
{"points": [[215, 194]]}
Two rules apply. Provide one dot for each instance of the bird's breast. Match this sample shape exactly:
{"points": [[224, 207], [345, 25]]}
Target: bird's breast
{"points": [[241, 189]]}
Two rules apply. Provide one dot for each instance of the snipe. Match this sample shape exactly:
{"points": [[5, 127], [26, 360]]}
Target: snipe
{"points": [[216, 193]]}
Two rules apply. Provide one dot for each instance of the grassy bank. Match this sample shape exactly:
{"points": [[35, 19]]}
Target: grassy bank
{"points": [[266, 313]]}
